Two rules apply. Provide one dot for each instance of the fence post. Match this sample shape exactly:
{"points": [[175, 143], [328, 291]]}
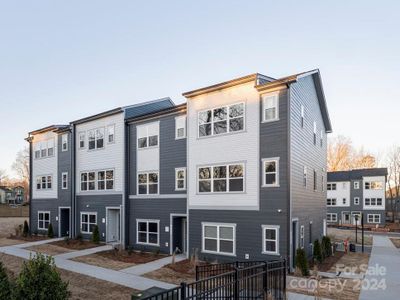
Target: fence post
{"points": [[236, 286], [197, 275], [183, 291]]}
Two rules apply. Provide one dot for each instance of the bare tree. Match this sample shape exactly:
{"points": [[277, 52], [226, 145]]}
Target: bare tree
{"points": [[342, 155], [393, 163], [21, 167], [3, 176]]}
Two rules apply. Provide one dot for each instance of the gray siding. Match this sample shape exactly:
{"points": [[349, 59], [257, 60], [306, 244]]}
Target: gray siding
{"points": [[50, 205], [64, 165], [307, 205]]}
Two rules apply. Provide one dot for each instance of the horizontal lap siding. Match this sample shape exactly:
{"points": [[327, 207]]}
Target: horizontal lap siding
{"points": [[44, 205], [64, 165]]}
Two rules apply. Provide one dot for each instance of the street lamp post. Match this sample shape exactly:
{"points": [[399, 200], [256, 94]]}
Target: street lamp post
{"points": [[356, 217]]}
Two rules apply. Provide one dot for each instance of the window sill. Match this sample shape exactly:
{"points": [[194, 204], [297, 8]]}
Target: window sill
{"points": [[147, 148], [148, 244], [270, 253], [270, 185], [83, 232], [219, 193], [270, 121], [221, 134], [180, 190], [180, 138], [218, 253]]}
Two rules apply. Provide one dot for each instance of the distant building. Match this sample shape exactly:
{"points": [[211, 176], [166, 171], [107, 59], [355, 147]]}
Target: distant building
{"points": [[12, 195]]}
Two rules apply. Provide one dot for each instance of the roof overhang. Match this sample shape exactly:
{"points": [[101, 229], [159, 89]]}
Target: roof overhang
{"points": [[49, 128], [98, 116], [181, 108]]}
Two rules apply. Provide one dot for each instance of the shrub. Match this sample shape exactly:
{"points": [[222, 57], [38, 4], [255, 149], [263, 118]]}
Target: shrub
{"points": [[66, 240], [301, 262], [317, 251], [50, 232], [326, 247], [25, 231], [5, 284], [40, 280], [96, 235]]}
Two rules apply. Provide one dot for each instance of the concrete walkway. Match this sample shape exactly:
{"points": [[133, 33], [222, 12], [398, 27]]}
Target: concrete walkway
{"points": [[385, 283], [152, 266], [89, 251]]}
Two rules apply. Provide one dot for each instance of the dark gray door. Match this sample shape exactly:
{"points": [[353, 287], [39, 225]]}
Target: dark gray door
{"points": [[179, 234], [64, 221]]}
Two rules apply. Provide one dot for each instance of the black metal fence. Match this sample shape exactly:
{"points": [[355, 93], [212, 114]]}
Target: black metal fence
{"points": [[237, 281]]}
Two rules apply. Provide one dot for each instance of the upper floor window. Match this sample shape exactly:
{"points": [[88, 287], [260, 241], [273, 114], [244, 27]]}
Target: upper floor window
{"points": [[82, 137], [221, 178], [44, 149], [315, 133], [356, 185], [96, 138], [356, 200], [270, 107], [221, 120], [315, 180], [321, 138], [97, 180], [44, 182], [111, 134], [64, 142], [180, 177], [64, 180], [147, 183], [331, 202], [180, 127], [147, 135], [373, 202], [271, 171], [302, 116], [331, 187], [373, 185], [305, 176], [344, 201]]}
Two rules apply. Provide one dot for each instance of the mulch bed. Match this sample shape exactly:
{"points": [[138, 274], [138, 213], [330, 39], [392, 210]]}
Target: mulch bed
{"points": [[75, 244], [29, 238], [131, 256]]}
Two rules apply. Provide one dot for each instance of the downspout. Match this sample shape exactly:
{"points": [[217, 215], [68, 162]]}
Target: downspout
{"points": [[289, 215], [127, 181], [73, 181], [30, 183]]}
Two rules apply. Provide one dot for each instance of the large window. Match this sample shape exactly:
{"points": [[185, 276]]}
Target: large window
{"points": [[88, 222], [43, 220], [180, 179], [147, 135], [180, 127], [221, 120], [44, 149], [221, 179], [331, 186], [147, 232], [373, 185], [331, 217], [82, 137], [147, 183], [64, 142], [96, 138], [219, 238], [271, 172], [111, 134], [44, 182], [64, 180], [97, 180], [270, 239], [374, 218], [331, 202], [270, 107], [373, 202]]}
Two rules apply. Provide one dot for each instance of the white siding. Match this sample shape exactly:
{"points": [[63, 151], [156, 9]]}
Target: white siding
{"points": [[229, 148], [374, 193], [45, 166], [110, 157], [342, 191]]}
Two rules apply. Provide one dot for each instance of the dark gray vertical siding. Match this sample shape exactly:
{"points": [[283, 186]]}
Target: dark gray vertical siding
{"points": [[307, 205]]}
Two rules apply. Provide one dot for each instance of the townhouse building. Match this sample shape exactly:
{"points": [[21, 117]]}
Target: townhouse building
{"points": [[355, 193], [237, 172]]}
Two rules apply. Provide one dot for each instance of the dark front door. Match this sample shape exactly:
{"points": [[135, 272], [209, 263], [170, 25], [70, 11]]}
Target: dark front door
{"points": [[179, 234], [64, 222], [294, 242]]}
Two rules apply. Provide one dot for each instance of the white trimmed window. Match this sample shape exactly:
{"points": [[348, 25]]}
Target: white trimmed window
{"points": [[96, 138], [374, 218], [88, 222], [321, 138], [356, 200], [221, 178], [64, 142], [147, 183], [373, 202], [82, 137], [44, 182], [220, 120], [356, 185], [64, 180], [50, 147], [322, 182], [270, 171], [331, 217], [219, 238], [147, 135], [373, 185], [302, 236], [147, 232], [270, 239], [180, 179], [43, 220], [315, 133], [97, 180], [180, 127], [331, 202], [270, 107], [302, 116], [110, 134], [305, 176], [315, 180], [344, 201], [331, 187]]}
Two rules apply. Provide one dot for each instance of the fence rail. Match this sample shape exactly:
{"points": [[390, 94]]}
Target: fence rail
{"points": [[237, 281]]}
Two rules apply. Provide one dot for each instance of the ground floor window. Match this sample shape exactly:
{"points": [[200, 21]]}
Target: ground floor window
{"points": [[147, 232], [43, 220], [219, 238], [374, 218], [302, 236], [270, 239], [331, 217], [88, 222]]}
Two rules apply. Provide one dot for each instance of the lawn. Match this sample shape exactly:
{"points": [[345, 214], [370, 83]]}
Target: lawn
{"points": [[340, 235]]}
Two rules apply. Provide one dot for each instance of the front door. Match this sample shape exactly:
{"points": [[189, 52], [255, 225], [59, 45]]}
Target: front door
{"points": [[113, 225], [64, 222], [179, 243], [346, 218]]}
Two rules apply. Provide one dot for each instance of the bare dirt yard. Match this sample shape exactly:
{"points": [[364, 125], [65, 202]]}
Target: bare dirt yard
{"points": [[7, 227], [49, 249], [340, 235], [81, 287], [396, 242], [182, 271], [74, 244]]}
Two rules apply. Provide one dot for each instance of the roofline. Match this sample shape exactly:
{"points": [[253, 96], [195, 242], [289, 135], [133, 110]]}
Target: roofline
{"points": [[169, 110], [47, 128], [98, 116], [285, 80], [359, 169], [149, 102], [222, 85]]}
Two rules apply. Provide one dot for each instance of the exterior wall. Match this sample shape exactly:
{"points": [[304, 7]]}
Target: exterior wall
{"points": [[342, 192], [308, 205], [47, 204], [375, 193], [45, 166], [64, 165]]}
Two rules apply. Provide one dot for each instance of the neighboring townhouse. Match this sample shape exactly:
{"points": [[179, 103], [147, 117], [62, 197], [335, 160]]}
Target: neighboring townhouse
{"points": [[11, 195], [237, 172], [353, 193]]}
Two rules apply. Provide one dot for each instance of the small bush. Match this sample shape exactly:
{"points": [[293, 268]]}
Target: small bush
{"points": [[40, 280], [326, 247], [50, 232], [301, 262], [25, 231], [5, 284], [317, 251], [35, 233], [96, 235], [66, 240]]}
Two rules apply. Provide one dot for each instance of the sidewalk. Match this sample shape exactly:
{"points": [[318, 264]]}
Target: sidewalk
{"points": [[152, 266], [384, 254]]}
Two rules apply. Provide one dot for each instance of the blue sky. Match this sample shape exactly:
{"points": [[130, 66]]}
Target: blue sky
{"points": [[62, 60]]}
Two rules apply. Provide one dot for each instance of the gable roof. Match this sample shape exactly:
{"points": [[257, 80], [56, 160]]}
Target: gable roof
{"points": [[356, 174]]}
